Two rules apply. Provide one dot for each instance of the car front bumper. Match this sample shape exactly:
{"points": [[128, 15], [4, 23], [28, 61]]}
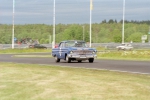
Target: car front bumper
{"points": [[82, 57]]}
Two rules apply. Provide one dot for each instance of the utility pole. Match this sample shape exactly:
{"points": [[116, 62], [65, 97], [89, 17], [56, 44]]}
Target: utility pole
{"points": [[123, 21], [149, 35], [13, 24], [53, 44], [91, 7], [49, 39], [83, 33]]}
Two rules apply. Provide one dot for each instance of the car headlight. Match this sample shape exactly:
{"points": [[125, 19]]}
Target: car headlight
{"points": [[94, 52], [71, 52]]}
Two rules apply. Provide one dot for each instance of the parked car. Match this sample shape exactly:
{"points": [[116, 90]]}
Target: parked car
{"points": [[74, 50], [38, 46], [125, 46]]}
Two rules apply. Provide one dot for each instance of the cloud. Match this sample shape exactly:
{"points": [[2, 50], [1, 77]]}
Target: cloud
{"points": [[72, 11]]}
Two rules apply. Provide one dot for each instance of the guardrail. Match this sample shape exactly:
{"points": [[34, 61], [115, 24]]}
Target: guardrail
{"points": [[105, 45]]}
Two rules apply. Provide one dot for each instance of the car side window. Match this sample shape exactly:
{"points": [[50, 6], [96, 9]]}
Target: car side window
{"points": [[59, 44], [62, 45], [66, 45]]}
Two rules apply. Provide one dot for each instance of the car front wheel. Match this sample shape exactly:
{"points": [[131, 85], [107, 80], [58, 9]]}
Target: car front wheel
{"points": [[79, 61], [91, 60], [119, 49], [68, 59], [130, 49]]}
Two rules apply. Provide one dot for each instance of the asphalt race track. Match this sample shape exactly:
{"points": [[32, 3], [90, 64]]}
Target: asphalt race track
{"points": [[141, 67]]}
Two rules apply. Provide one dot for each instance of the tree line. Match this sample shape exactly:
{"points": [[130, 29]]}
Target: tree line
{"points": [[104, 32]]}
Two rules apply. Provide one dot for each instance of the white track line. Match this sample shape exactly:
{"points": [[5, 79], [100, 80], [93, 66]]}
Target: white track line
{"points": [[89, 68], [99, 69]]}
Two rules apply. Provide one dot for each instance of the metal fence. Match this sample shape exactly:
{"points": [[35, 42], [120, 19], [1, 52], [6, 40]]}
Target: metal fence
{"points": [[105, 45], [113, 45]]}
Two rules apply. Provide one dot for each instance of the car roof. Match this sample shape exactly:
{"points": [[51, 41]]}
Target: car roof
{"points": [[73, 40]]}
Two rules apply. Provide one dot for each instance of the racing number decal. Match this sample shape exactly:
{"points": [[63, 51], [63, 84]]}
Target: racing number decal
{"points": [[60, 51]]}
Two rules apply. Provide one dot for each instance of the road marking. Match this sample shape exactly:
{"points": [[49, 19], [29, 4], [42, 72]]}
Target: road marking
{"points": [[99, 69], [129, 72], [88, 68]]}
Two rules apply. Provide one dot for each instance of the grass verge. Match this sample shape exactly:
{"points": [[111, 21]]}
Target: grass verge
{"points": [[7, 51], [33, 56], [142, 55], [39, 82]]}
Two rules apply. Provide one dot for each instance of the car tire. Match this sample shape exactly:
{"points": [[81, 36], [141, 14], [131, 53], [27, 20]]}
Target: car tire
{"points": [[79, 61], [91, 60], [68, 59], [57, 59]]}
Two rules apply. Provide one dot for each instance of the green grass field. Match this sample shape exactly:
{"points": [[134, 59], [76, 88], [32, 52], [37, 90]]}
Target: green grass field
{"points": [[39, 82], [7, 51], [125, 55], [102, 54]]}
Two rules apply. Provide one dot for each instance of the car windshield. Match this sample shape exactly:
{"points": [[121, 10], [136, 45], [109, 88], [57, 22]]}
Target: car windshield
{"points": [[76, 44], [126, 44]]}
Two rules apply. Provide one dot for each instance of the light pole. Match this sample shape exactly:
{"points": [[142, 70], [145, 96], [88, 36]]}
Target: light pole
{"points": [[123, 21], [49, 39], [13, 24], [53, 44], [83, 33], [91, 7], [149, 35]]}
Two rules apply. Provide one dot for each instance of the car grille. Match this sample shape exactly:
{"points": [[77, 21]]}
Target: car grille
{"points": [[82, 52]]}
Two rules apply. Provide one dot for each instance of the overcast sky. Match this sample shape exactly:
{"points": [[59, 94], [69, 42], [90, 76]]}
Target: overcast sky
{"points": [[72, 11]]}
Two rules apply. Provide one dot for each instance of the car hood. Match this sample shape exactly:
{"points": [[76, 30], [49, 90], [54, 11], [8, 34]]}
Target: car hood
{"points": [[81, 48]]}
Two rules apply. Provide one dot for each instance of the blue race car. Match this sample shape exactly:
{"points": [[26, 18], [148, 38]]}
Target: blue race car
{"points": [[74, 50]]}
